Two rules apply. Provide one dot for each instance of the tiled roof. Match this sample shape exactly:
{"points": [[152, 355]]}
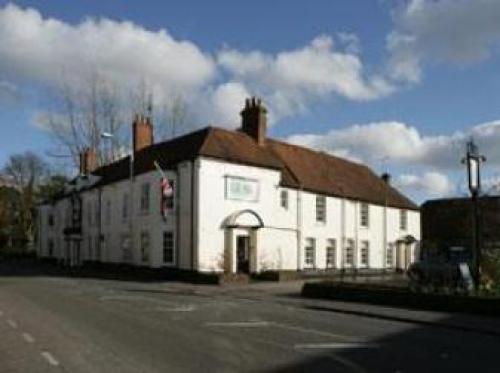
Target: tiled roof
{"points": [[303, 168]]}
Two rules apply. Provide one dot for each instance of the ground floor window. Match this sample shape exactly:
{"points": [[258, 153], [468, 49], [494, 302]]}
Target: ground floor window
{"points": [[310, 253], [50, 245], [349, 253], [389, 256], [168, 247], [364, 259], [145, 246], [126, 252], [97, 248], [90, 253], [331, 250]]}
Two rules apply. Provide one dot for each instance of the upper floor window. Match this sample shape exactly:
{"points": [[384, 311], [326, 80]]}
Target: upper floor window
{"points": [[310, 253], [364, 215], [89, 213], [145, 197], [96, 213], [168, 247], [331, 253], [321, 208], [403, 220], [125, 207], [108, 212], [284, 199]]}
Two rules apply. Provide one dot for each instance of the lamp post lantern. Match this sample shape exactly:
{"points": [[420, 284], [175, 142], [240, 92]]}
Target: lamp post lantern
{"points": [[473, 162]]}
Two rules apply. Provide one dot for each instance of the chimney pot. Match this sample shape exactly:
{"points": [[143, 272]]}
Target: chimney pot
{"points": [[142, 132], [254, 120], [88, 161]]}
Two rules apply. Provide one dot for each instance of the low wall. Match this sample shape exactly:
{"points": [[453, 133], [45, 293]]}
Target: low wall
{"points": [[401, 297]]}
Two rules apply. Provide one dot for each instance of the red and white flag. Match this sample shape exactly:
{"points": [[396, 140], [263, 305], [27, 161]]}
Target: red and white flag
{"points": [[166, 192]]}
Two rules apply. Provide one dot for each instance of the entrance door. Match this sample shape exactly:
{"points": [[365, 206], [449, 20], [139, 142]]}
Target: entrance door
{"points": [[243, 254]]}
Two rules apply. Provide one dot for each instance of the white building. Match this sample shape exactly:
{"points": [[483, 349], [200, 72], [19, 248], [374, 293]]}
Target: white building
{"points": [[242, 203]]}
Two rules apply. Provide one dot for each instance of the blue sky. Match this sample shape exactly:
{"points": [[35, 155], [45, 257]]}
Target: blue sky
{"points": [[399, 85]]}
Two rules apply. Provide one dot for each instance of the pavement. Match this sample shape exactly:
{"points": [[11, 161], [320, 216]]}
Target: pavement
{"points": [[68, 324]]}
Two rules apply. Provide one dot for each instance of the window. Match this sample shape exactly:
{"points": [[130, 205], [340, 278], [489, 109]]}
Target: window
{"points": [[365, 254], [310, 253], [125, 207], [145, 246], [96, 213], [365, 215], [108, 212], [349, 253], [169, 201], [145, 198], [284, 199], [403, 220], [50, 245], [331, 250], [51, 220], [89, 213], [321, 208], [97, 248], [389, 257], [91, 254], [168, 247]]}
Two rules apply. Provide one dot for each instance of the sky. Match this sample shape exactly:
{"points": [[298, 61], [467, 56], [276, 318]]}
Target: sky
{"points": [[398, 85]]}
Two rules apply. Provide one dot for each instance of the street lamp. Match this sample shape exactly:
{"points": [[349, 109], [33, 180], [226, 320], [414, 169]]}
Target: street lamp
{"points": [[473, 162]]}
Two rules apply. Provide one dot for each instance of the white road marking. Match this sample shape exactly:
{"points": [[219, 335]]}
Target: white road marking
{"points": [[313, 331], [175, 309], [28, 337], [239, 324], [12, 323], [333, 346], [50, 359]]}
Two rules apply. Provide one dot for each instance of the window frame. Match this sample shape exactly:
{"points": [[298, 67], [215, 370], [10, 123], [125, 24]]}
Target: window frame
{"points": [[365, 246], [403, 220], [172, 248], [145, 249], [310, 250], [284, 200], [364, 215], [145, 198], [349, 246], [321, 209], [331, 245]]}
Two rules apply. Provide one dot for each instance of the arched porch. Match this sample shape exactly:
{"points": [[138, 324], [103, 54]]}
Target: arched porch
{"points": [[241, 241]]}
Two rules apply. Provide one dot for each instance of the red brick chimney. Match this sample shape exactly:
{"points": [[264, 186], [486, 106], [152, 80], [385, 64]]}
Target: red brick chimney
{"points": [[88, 161], [142, 132], [254, 120]]}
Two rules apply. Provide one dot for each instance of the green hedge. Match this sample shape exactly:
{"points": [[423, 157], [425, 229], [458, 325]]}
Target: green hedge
{"points": [[402, 297]]}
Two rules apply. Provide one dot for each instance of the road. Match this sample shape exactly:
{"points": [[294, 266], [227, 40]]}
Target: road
{"points": [[66, 324]]}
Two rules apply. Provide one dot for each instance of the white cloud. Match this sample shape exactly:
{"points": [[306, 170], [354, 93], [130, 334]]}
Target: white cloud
{"points": [[45, 49], [430, 183], [456, 31], [292, 79], [225, 103], [402, 144]]}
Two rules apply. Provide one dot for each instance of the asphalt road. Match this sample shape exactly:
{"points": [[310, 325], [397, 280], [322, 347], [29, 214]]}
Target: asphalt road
{"points": [[57, 324]]}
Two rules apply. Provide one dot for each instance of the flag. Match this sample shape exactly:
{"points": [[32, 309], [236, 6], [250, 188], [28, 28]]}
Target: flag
{"points": [[166, 192]]}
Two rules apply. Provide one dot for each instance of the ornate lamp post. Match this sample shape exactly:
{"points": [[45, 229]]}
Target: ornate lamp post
{"points": [[473, 162]]}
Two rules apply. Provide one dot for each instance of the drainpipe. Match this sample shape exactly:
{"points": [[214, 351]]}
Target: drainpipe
{"points": [[299, 228], [193, 217]]}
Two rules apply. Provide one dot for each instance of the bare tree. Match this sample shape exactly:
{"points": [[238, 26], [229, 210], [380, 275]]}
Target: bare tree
{"points": [[82, 113], [26, 170]]}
